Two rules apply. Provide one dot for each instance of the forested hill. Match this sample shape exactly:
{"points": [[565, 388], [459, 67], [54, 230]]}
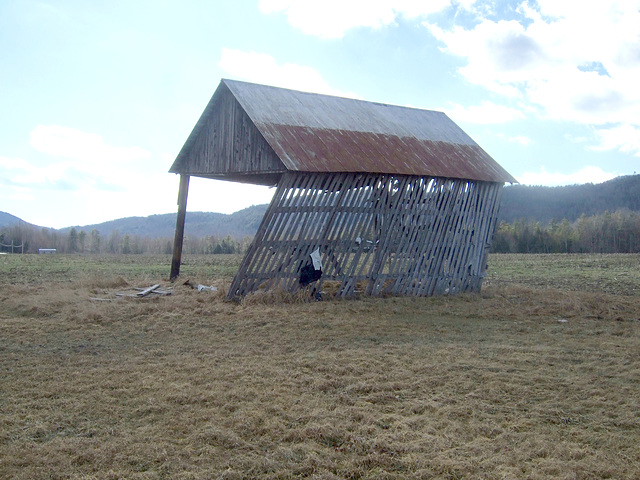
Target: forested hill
{"points": [[198, 224], [6, 219], [543, 204], [519, 202]]}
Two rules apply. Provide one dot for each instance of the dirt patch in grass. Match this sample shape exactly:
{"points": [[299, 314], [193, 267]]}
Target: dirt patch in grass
{"points": [[519, 382]]}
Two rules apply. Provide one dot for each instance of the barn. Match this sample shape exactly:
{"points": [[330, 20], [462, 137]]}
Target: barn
{"points": [[370, 198]]}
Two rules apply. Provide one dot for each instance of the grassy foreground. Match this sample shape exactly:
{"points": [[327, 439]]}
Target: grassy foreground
{"points": [[537, 377]]}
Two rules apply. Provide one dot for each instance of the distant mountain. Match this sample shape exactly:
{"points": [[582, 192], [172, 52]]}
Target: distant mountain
{"points": [[544, 204], [7, 220], [198, 224], [540, 204]]}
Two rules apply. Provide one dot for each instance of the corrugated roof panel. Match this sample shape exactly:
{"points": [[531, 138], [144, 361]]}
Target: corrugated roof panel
{"points": [[314, 133], [266, 104], [318, 150], [320, 133]]}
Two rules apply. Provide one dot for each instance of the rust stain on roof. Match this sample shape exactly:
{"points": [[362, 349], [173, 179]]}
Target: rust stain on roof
{"points": [[321, 133], [322, 150]]}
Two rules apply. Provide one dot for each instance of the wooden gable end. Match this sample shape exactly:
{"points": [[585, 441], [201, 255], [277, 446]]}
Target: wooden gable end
{"points": [[225, 144]]}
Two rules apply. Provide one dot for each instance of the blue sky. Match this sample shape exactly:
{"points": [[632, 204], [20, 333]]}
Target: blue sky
{"points": [[97, 98]]}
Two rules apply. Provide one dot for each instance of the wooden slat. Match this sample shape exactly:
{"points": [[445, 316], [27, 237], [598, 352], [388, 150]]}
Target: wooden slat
{"points": [[147, 291], [430, 235]]}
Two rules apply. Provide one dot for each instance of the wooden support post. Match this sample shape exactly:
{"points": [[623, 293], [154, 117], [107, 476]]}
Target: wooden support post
{"points": [[182, 212]]}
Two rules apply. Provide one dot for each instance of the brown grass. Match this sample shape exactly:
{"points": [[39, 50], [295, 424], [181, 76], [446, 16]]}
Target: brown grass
{"points": [[518, 382]]}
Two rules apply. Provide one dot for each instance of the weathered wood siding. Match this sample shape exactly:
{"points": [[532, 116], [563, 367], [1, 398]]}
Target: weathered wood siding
{"points": [[229, 143], [402, 235]]}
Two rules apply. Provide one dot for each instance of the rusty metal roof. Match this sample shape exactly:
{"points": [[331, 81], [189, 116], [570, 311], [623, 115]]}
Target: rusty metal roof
{"points": [[321, 133]]}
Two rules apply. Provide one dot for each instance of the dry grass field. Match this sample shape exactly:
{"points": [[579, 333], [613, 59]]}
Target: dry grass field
{"points": [[537, 377]]}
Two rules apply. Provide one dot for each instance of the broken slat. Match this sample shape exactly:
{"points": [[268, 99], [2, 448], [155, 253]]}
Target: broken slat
{"points": [[158, 291], [405, 235], [147, 291]]}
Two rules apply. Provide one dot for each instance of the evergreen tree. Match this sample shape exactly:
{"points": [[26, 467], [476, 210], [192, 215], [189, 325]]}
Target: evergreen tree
{"points": [[126, 244], [95, 241], [72, 241], [114, 241], [82, 238]]}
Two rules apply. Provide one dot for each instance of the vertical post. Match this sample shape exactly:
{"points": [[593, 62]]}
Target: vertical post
{"points": [[179, 237]]}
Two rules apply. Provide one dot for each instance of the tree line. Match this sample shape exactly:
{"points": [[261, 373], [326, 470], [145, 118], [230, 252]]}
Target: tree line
{"points": [[92, 242], [617, 232], [571, 201]]}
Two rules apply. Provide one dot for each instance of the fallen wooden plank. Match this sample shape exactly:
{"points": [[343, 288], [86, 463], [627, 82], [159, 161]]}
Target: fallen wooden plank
{"points": [[162, 292], [158, 291], [147, 291]]}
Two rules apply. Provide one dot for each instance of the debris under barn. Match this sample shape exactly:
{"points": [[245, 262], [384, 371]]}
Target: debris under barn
{"points": [[396, 200]]}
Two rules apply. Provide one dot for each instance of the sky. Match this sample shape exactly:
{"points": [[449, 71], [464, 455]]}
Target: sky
{"points": [[97, 98]]}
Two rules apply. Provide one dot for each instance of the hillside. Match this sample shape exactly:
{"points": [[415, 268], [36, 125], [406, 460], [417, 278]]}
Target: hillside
{"points": [[198, 224], [7, 220], [541, 204], [544, 204]]}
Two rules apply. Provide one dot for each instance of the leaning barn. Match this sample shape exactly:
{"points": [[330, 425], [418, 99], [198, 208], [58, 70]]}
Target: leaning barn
{"points": [[374, 198]]}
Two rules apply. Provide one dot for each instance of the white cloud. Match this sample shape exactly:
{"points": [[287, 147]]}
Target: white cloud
{"points": [[333, 18], [625, 138], [521, 139], [36, 194], [15, 172], [75, 144], [554, 179], [78, 169], [549, 56], [20, 196], [12, 164], [579, 64], [73, 160], [263, 68], [575, 139], [98, 182], [485, 113]]}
